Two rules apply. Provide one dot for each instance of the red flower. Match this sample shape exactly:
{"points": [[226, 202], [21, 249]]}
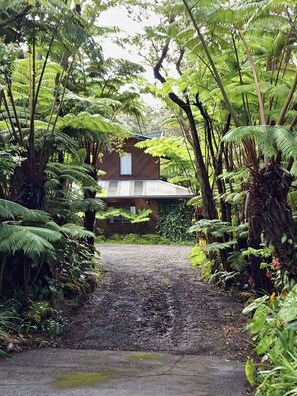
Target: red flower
{"points": [[269, 274], [283, 294], [250, 280], [275, 263]]}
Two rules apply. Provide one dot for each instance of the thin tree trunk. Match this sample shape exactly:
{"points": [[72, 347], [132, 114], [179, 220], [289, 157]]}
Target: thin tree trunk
{"points": [[206, 190]]}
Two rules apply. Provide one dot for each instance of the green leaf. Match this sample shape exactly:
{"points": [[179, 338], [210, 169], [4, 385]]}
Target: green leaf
{"points": [[249, 370], [288, 312], [264, 344], [254, 305], [259, 319], [291, 325]]}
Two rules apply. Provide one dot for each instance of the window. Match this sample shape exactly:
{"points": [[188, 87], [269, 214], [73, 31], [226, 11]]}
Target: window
{"points": [[126, 164]]}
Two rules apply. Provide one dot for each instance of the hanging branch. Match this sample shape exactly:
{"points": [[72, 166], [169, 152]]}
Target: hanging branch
{"points": [[207, 196]]}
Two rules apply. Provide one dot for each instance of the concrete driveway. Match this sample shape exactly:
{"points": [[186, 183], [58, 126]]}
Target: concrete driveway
{"points": [[76, 372]]}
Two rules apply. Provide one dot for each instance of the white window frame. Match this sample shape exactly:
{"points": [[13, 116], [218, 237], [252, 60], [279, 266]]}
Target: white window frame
{"points": [[126, 164]]}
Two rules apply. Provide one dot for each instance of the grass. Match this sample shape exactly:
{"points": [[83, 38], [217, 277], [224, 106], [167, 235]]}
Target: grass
{"points": [[135, 239]]}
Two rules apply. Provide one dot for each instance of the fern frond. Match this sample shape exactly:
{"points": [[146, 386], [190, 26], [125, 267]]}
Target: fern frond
{"points": [[270, 139], [92, 204], [76, 231], [11, 210], [15, 238], [238, 135], [216, 246]]}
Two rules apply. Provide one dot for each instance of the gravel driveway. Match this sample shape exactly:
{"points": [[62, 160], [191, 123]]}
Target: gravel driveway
{"points": [[150, 299]]}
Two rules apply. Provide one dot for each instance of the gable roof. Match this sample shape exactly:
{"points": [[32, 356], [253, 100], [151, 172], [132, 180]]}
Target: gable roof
{"points": [[142, 189]]}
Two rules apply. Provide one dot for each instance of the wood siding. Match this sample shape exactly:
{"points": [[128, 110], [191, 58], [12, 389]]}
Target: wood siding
{"points": [[144, 166]]}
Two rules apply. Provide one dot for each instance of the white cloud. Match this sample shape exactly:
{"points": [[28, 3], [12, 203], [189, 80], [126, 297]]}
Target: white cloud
{"points": [[119, 17]]}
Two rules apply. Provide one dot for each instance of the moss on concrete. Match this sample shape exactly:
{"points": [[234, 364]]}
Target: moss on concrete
{"points": [[76, 379], [145, 356]]}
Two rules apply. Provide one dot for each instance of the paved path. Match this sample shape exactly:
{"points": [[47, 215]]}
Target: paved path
{"points": [[107, 351], [72, 372]]}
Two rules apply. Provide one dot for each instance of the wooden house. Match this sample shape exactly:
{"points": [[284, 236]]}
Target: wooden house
{"points": [[132, 182]]}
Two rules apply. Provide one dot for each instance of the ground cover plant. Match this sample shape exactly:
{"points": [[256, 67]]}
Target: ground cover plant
{"points": [[135, 239]]}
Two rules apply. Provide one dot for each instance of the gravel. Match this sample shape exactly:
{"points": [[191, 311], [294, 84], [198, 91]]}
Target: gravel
{"points": [[150, 299]]}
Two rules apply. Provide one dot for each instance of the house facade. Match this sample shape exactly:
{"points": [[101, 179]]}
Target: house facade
{"points": [[132, 182]]}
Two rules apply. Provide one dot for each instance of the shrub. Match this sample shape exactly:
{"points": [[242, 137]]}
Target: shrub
{"points": [[274, 330], [175, 221]]}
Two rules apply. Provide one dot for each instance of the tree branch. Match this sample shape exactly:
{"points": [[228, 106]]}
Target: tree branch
{"points": [[162, 79], [180, 58]]}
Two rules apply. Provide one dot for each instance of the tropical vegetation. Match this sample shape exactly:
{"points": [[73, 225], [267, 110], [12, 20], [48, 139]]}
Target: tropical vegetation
{"points": [[59, 104], [225, 72]]}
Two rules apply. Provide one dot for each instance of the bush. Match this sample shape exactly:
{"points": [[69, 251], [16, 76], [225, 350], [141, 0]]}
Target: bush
{"points": [[26, 324], [175, 221], [274, 330]]}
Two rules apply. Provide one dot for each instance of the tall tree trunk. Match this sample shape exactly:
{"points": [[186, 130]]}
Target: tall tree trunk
{"points": [[268, 213]]}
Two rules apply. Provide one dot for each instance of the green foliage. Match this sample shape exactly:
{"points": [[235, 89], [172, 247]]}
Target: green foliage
{"points": [[27, 231], [229, 237], [35, 320], [135, 239], [142, 216], [174, 222], [270, 139], [200, 261], [176, 158], [249, 370], [218, 228], [274, 326], [197, 256]]}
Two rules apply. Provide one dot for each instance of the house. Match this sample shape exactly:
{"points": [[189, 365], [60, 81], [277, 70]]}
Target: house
{"points": [[132, 182]]}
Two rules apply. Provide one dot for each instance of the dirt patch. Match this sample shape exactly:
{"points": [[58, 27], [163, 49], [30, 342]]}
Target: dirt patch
{"points": [[150, 299]]}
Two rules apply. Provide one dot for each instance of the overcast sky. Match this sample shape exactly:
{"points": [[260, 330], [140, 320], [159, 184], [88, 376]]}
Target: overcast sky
{"points": [[118, 16]]}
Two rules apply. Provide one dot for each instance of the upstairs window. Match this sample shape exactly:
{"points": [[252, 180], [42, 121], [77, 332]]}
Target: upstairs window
{"points": [[126, 164]]}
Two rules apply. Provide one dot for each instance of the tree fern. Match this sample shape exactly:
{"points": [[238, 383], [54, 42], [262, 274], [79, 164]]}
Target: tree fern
{"points": [[270, 139], [82, 205], [15, 238], [12, 210], [76, 231]]}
